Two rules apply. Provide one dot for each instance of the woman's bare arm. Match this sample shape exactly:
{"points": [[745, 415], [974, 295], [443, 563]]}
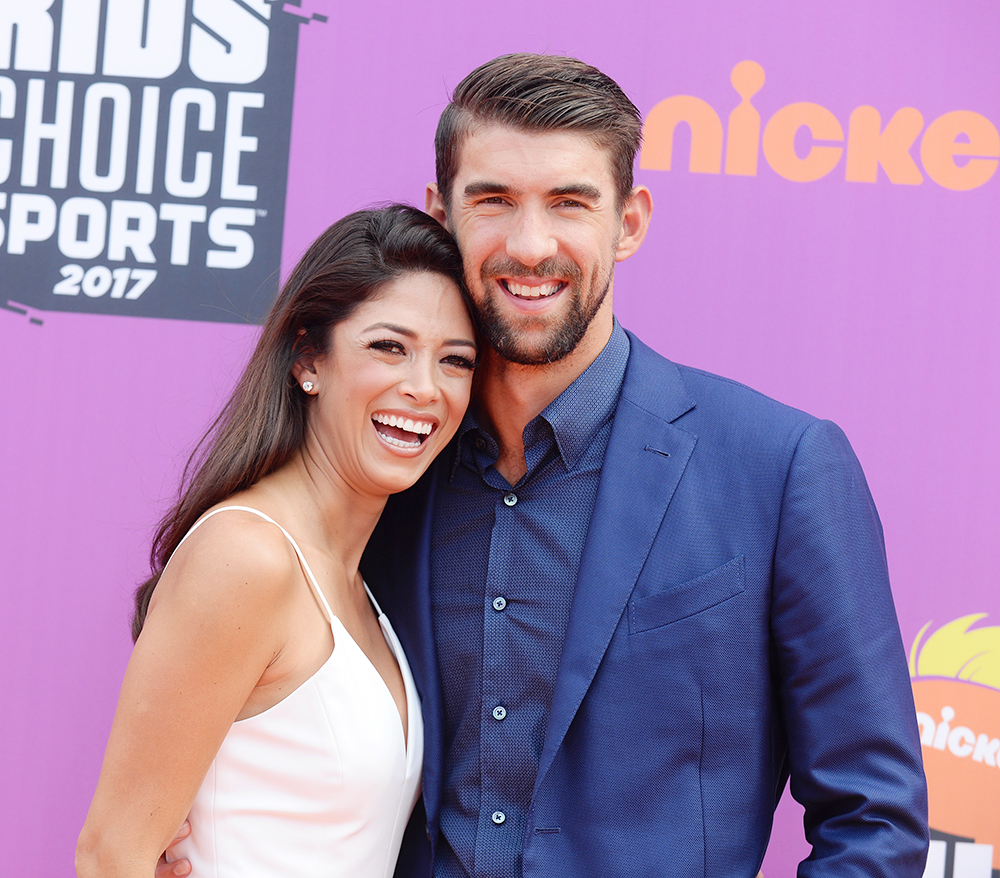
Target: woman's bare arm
{"points": [[211, 632]]}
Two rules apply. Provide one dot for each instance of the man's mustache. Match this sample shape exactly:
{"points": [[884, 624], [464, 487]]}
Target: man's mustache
{"points": [[509, 267]]}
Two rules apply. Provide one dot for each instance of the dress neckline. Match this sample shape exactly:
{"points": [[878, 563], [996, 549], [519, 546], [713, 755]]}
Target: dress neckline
{"points": [[384, 625]]}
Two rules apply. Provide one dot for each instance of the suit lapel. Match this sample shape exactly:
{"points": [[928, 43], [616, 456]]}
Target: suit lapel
{"points": [[644, 462]]}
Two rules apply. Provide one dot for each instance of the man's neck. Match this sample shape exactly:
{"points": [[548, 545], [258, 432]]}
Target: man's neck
{"points": [[510, 396]]}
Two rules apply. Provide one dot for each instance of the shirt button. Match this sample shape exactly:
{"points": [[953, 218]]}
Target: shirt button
{"points": [[499, 712], [480, 443], [510, 499], [499, 817], [499, 604]]}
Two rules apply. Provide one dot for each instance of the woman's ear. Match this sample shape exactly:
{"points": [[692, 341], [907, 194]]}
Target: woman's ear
{"points": [[304, 373], [304, 369]]}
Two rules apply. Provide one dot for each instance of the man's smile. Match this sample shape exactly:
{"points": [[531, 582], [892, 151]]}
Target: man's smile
{"points": [[531, 291]]}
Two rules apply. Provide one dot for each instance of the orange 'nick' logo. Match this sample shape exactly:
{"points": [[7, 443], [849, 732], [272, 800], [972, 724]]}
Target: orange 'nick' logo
{"points": [[959, 150], [956, 686]]}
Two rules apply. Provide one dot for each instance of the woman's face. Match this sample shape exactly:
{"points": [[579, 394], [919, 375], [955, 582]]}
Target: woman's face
{"points": [[393, 388]]}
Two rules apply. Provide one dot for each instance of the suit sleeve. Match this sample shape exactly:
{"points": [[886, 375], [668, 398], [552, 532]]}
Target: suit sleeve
{"points": [[854, 752]]}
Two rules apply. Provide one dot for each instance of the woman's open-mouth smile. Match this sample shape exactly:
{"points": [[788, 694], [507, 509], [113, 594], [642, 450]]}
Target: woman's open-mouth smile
{"points": [[401, 431]]}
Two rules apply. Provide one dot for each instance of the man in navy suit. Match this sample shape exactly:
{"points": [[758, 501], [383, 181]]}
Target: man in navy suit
{"points": [[635, 597]]}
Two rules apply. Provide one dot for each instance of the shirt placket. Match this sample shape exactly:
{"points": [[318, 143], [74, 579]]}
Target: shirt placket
{"points": [[500, 822]]}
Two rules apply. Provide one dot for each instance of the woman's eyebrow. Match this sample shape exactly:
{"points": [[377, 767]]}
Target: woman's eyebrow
{"points": [[409, 333], [392, 327]]}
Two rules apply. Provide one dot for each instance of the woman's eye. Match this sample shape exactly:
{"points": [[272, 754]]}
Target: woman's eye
{"points": [[387, 345], [460, 362]]}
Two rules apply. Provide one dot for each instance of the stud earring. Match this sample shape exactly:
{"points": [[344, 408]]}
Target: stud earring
{"points": [[307, 386]]}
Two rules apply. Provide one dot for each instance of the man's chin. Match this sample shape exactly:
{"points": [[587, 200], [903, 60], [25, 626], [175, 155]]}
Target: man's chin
{"points": [[523, 351]]}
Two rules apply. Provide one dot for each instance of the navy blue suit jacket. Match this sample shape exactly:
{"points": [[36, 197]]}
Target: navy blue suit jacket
{"points": [[731, 624]]}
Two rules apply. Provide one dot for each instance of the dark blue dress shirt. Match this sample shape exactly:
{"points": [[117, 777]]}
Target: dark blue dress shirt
{"points": [[504, 561]]}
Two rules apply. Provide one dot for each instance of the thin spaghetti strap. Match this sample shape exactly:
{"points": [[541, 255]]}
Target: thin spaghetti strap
{"points": [[371, 597], [313, 584]]}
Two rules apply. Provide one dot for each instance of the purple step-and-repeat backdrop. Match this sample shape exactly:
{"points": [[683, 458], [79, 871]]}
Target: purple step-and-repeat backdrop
{"points": [[826, 230]]}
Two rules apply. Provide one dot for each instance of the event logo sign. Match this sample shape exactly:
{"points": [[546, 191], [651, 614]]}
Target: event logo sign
{"points": [[144, 155], [959, 150], [956, 686]]}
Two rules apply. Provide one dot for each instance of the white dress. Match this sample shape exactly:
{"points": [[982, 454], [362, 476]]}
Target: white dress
{"points": [[320, 784]]}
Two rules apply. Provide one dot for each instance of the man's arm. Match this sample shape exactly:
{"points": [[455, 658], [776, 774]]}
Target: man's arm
{"points": [[177, 868], [847, 703]]}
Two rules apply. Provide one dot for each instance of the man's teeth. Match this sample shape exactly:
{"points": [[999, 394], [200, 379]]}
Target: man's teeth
{"points": [[523, 291]]}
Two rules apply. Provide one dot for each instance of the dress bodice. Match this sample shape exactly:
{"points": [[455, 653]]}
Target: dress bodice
{"points": [[321, 783]]}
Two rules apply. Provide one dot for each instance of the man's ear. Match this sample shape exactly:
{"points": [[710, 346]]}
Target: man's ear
{"points": [[434, 205], [635, 222]]}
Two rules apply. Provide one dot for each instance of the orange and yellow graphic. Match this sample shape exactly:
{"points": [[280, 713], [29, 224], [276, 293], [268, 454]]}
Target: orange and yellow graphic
{"points": [[956, 686]]}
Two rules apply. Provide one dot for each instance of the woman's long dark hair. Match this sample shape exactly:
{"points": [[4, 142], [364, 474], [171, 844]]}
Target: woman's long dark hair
{"points": [[263, 423]]}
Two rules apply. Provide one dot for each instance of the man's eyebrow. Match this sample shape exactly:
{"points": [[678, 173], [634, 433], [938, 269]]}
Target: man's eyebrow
{"points": [[485, 187], [582, 190]]}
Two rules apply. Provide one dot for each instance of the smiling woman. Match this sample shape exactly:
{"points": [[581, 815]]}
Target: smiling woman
{"points": [[398, 375], [267, 695]]}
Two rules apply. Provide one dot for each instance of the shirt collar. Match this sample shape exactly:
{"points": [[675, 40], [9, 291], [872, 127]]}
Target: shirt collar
{"points": [[578, 414], [582, 409]]}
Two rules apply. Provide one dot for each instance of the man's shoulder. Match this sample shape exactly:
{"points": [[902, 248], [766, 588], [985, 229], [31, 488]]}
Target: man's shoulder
{"points": [[697, 395]]}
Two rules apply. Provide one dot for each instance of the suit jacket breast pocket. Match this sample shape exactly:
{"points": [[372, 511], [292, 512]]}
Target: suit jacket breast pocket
{"points": [[685, 600]]}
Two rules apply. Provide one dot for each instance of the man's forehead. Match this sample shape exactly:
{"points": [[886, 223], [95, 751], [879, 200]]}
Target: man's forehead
{"points": [[486, 140]]}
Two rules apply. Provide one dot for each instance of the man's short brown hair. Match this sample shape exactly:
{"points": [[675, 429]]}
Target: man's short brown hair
{"points": [[540, 93]]}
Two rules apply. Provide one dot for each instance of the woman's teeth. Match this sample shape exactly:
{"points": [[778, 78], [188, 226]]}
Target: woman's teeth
{"points": [[420, 430]]}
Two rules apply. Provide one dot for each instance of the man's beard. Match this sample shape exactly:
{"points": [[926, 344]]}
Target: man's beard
{"points": [[502, 333]]}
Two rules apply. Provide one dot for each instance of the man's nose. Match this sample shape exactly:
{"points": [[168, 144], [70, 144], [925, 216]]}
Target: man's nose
{"points": [[532, 239]]}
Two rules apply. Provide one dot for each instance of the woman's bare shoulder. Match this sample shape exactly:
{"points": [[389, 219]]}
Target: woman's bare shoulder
{"points": [[232, 555]]}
